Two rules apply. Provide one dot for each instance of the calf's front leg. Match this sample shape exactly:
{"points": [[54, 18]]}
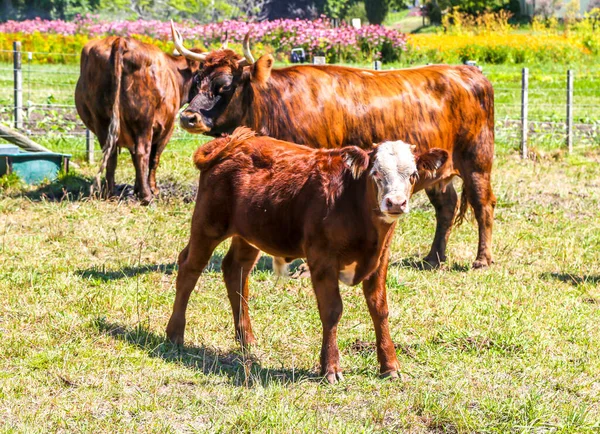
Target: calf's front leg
{"points": [[376, 297], [325, 283], [192, 260]]}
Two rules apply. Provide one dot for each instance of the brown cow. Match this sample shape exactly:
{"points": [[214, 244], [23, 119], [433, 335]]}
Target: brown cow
{"points": [[448, 107], [128, 94], [336, 208]]}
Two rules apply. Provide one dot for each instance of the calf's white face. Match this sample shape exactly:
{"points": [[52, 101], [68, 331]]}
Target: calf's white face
{"points": [[395, 170]]}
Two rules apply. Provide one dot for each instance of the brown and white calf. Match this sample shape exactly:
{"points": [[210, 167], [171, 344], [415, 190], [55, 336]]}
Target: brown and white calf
{"points": [[335, 207]]}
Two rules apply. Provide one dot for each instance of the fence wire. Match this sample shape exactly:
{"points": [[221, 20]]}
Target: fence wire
{"points": [[49, 110]]}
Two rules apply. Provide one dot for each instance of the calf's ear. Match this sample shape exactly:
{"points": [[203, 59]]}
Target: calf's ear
{"points": [[430, 161], [356, 160], [261, 70]]}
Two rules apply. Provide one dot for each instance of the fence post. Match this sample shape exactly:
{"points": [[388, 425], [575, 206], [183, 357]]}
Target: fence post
{"points": [[18, 74], [524, 122], [377, 65], [89, 145], [570, 110]]}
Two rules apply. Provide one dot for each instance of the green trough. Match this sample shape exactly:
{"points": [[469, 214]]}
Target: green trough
{"points": [[32, 167]]}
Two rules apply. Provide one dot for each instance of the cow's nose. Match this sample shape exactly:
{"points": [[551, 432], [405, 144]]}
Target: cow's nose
{"points": [[189, 119], [396, 205]]}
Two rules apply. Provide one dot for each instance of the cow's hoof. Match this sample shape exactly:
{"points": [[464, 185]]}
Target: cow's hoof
{"points": [[145, 201], [481, 263], [432, 262], [391, 375], [334, 377]]}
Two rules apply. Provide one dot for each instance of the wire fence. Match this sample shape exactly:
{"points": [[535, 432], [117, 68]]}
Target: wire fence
{"points": [[528, 115]]}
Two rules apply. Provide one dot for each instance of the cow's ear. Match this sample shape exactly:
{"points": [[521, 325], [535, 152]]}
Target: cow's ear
{"points": [[356, 160], [261, 70], [430, 161]]}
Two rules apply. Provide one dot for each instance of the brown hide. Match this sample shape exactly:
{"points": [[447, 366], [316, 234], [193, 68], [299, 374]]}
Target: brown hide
{"points": [[140, 89], [441, 106], [293, 201]]}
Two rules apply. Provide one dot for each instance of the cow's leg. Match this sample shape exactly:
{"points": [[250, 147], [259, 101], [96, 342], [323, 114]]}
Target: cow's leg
{"points": [[445, 205], [237, 264], [374, 289], [192, 260], [141, 157], [157, 150], [324, 276], [478, 190]]}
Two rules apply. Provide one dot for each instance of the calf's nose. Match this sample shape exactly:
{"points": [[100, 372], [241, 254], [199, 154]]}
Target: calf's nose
{"points": [[395, 205]]}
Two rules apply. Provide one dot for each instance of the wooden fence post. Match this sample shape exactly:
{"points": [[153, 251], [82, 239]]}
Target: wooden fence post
{"points": [[570, 110], [524, 101], [18, 84]]}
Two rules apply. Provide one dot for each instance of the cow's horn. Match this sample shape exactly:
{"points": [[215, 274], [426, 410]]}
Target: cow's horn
{"points": [[225, 42], [248, 58], [178, 41]]}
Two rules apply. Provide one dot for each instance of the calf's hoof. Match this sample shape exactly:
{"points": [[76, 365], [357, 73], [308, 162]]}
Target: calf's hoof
{"points": [[246, 340], [334, 377], [175, 332]]}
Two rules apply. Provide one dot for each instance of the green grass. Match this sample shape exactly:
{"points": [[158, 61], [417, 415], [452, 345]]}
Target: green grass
{"points": [[87, 287]]}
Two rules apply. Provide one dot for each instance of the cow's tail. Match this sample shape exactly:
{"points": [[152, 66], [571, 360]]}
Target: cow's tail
{"points": [[464, 206], [114, 128], [210, 154]]}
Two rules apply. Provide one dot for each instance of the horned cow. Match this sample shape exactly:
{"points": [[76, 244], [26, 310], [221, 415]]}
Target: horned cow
{"points": [[441, 106]]}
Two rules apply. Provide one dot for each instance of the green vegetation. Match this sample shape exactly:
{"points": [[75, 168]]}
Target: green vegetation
{"points": [[87, 287]]}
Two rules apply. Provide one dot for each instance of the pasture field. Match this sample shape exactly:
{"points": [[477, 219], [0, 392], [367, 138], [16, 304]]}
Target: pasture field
{"points": [[53, 121], [87, 288]]}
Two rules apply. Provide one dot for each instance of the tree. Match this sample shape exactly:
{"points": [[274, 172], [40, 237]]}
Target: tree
{"points": [[377, 10]]}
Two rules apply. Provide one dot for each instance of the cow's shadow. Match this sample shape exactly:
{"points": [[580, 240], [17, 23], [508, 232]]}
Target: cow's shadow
{"points": [[71, 187], [418, 263], [264, 264], [574, 280], [242, 368]]}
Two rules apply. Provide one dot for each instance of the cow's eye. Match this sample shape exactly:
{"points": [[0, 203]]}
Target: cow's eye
{"points": [[226, 88]]}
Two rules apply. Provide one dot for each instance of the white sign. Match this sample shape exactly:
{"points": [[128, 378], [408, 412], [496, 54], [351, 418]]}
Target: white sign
{"points": [[356, 23]]}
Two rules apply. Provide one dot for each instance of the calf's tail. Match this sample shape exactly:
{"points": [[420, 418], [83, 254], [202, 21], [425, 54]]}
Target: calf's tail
{"points": [[210, 154], [114, 128]]}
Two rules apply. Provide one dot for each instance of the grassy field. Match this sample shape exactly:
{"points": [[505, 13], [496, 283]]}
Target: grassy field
{"points": [[88, 285]]}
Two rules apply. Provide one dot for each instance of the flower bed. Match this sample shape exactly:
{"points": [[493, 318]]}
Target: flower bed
{"points": [[317, 37]]}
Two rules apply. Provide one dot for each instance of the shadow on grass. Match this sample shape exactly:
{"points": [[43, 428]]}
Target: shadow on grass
{"points": [[75, 187], [70, 187], [420, 264], [574, 280], [125, 272], [242, 368], [265, 263]]}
